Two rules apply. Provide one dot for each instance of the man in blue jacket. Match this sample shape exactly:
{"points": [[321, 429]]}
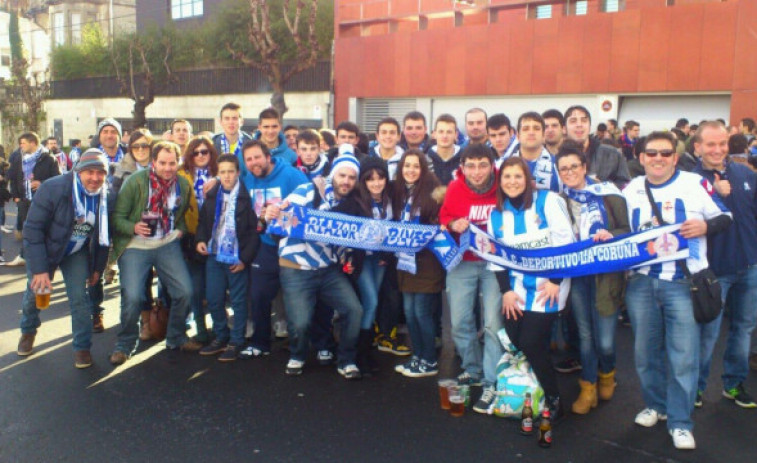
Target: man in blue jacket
{"points": [[733, 258], [269, 180], [67, 227]]}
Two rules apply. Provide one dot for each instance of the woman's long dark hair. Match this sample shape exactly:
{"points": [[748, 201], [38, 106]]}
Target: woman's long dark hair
{"points": [[364, 196], [528, 193], [138, 135], [427, 208], [188, 163]]}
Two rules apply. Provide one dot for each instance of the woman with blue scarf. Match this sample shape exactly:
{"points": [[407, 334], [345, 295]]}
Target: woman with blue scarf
{"points": [[199, 164], [598, 212]]}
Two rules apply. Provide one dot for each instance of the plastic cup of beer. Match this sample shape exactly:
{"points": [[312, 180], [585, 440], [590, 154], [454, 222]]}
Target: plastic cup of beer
{"points": [[444, 385], [42, 298], [457, 405]]}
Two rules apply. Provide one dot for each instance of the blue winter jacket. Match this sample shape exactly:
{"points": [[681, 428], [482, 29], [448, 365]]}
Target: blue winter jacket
{"points": [[735, 248], [50, 224]]}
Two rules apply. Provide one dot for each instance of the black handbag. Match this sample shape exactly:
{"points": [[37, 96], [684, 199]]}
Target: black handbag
{"points": [[705, 288]]}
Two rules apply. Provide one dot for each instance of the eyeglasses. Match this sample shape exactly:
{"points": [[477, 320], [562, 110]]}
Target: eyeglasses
{"points": [[202, 152], [570, 168], [664, 153], [140, 146]]}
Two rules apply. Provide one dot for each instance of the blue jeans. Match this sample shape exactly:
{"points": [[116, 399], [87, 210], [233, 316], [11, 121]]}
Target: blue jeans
{"points": [[330, 287], [197, 273], [134, 266], [419, 315], [219, 278], [596, 332], [741, 290], [263, 287], [666, 336], [75, 269], [463, 283], [368, 284]]}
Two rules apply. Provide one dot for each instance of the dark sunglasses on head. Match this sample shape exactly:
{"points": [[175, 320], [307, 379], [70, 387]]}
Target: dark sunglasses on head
{"points": [[140, 145], [664, 153], [203, 152]]}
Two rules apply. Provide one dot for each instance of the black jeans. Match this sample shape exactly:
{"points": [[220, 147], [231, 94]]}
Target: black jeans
{"points": [[531, 334]]}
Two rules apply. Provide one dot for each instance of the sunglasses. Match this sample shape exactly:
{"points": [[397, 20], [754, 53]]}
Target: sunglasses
{"points": [[664, 153], [140, 146], [203, 152]]}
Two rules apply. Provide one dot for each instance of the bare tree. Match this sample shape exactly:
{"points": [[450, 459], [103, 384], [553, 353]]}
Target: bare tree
{"points": [[301, 24], [143, 68]]}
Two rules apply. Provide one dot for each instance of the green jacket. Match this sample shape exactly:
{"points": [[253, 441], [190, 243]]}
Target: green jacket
{"points": [[131, 202]]}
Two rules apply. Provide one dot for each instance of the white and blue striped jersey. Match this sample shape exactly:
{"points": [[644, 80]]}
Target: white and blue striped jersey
{"points": [[309, 255], [543, 169], [545, 224], [684, 196]]}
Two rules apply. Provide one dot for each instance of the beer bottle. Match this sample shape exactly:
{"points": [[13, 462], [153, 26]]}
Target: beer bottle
{"points": [[545, 430], [527, 417]]}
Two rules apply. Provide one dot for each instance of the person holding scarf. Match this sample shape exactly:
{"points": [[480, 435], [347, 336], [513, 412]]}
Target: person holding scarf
{"points": [[148, 224], [67, 228], [420, 276], [26, 174], [598, 212], [529, 218], [200, 164], [227, 235]]}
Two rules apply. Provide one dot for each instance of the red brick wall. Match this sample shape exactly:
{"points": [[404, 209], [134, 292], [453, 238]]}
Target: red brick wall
{"points": [[697, 45]]}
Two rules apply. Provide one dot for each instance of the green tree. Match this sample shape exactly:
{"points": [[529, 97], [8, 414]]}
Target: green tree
{"points": [[88, 59], [283, 38], [32, 93]]}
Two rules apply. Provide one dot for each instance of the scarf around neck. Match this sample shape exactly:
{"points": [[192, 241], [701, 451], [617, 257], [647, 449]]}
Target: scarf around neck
{"points": [[224, 239], [593, 214], [28, 161], [163, 199], [84, 204]]}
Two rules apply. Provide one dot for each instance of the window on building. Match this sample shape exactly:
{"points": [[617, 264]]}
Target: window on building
{"points": [[581, 7], [5, 60], [541, 12], [59, 29], [181, 9], [612, 6], [75, 28]]}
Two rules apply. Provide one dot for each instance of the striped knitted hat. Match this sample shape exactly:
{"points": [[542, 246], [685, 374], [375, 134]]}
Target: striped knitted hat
{"points": [[93, 158]]}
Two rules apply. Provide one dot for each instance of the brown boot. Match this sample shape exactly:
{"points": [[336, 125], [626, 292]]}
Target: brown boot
{"points": [[587, 399], [97, 323], [144, 333], [606, 385], [25, 345]]}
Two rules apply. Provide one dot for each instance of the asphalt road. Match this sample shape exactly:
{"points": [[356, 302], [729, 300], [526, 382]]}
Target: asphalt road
{"points": [[201, 410]]}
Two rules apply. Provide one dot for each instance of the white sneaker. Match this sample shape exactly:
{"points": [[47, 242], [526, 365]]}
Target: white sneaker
{"points": [[18, 261], [649, 417], [683, 439], [6, 229]]}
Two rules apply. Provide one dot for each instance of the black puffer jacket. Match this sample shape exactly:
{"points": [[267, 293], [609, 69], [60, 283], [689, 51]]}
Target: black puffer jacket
{"points": [[246, 223]]}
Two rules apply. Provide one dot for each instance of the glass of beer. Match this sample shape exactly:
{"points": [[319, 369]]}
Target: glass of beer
{"points": [[42, 298], [457, 404], [444, 385], [151, 219]]}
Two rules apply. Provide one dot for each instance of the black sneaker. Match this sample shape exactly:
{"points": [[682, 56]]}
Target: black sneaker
{"points": [[485, 401], [569, 365], [230, 354], [698, 401], [214, 348], [740, 396], [465, 379]]}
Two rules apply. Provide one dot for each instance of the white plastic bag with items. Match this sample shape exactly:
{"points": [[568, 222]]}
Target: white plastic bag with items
{"points": [[515, 378]]}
